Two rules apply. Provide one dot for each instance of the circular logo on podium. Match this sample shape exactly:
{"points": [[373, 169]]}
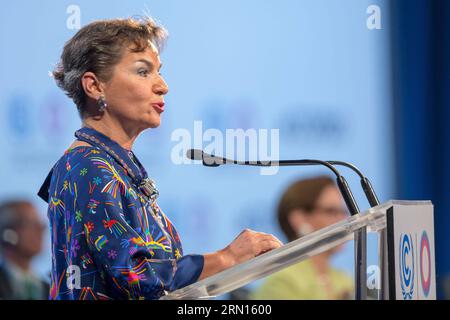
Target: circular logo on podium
{"points": [[425, 263], [406, 261]]}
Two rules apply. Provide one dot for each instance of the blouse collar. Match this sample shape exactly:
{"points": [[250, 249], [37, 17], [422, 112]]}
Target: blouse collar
{"points": [[125, 158]]}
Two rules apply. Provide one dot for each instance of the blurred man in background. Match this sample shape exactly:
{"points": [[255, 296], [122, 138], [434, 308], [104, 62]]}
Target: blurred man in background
{"points": [[21, 234]]}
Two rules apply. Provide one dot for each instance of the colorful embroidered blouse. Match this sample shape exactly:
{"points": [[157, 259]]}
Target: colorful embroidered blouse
{"points": [[110, 241]]}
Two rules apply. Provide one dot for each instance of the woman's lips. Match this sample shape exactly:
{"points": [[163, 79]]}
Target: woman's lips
{"points": [[158, 107]]}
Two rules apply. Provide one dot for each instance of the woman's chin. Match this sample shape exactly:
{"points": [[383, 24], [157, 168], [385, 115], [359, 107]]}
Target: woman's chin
{"points": [[155, 123], [150, 121]]}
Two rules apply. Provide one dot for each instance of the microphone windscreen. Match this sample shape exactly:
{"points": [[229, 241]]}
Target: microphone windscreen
{"points": [[194, 154]]}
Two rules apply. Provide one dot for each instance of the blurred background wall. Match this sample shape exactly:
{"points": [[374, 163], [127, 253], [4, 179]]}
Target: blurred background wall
{"points": [[334, 87]]}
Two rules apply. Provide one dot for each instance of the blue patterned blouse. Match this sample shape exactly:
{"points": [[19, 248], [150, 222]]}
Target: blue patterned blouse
{"points": [[110, 239]]}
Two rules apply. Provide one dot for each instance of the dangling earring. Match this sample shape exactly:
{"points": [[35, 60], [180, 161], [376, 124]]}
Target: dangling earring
{"points": [[102, 105]]}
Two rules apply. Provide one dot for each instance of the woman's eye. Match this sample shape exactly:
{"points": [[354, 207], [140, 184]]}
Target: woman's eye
{"points": [[143, 72]]}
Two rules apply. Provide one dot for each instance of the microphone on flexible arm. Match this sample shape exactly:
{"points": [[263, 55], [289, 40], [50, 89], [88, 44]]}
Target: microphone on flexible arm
{"points": [[215, 161], [360, 237], [360, 249], [365, 182]]}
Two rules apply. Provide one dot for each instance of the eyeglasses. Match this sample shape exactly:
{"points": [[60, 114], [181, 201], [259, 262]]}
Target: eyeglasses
{"points": [[332, 211]]}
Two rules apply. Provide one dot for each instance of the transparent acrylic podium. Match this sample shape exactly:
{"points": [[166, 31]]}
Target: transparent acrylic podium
{"points": [[374, 220]]}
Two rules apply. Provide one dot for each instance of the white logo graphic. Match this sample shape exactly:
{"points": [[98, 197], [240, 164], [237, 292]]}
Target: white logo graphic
{"points": [[73, 274], [73, 21], [237, 143], [374, 20]]}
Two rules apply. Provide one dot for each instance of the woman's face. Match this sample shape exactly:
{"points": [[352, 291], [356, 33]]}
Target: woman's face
{"points": [[329, 208], [135, 93]]}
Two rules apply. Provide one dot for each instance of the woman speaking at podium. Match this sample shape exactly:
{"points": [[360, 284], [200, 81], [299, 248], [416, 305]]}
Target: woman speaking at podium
{"points": [[110, 239]]}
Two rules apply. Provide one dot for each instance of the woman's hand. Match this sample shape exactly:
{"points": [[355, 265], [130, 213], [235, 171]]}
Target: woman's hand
{"points": [[247, 245]]}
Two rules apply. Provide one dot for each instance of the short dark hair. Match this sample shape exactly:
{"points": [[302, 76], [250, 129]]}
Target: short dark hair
{"points": [[302, 194], [98, 47]]}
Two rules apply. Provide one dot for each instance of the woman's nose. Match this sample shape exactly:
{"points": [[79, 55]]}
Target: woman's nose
{"points": [[161, 88]]}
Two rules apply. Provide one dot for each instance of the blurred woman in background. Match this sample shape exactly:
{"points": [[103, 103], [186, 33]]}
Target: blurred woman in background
{"points": [[306, 206]]}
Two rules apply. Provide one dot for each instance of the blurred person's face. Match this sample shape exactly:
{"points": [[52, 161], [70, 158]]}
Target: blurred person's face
{"points": [[30, 231], [135, 93], [329, 209]]}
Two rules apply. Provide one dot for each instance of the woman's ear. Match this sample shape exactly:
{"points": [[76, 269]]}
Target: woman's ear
{"points": [[92, 85]]}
